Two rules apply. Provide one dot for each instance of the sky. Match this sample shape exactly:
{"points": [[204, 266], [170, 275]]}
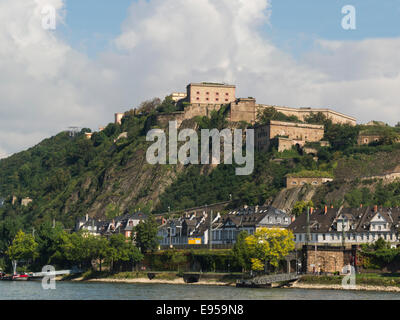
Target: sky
{"points": [[108, 56]]}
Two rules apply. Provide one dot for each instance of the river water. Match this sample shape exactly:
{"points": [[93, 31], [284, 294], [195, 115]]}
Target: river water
{"points": [[32, 290]]}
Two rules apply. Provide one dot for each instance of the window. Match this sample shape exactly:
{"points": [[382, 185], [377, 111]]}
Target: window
{"points": [[324, 237], [197, 98], [207, 93], [198, 92], [216, 99], [227, 94], [207, 99], [226, 100], [217, 93]]}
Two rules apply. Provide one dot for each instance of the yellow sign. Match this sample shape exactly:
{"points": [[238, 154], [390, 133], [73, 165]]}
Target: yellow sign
{"points": [[194, 240]]}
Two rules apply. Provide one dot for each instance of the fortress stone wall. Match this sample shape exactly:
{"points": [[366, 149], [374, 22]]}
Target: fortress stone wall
{"points": [[243, 110], [302, 113], [288, 133], [367, 139], [294, 182], [205, 97]]}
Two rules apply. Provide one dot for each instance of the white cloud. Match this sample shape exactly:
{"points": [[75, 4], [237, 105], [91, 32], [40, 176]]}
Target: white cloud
{"points": [[172, 42], [46, 86]]}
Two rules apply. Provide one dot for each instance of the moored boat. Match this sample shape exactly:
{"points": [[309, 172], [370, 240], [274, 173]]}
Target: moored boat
{"points": [[15, 277]]}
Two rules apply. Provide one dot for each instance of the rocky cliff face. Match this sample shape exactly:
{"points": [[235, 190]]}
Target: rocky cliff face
{"points": [[286, 199]]}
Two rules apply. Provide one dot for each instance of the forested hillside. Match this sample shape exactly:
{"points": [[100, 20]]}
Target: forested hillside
{"points": [[70, 176]]}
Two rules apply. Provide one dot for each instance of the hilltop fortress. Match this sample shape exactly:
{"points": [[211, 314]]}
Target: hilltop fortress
{"points": [[201, 98]]}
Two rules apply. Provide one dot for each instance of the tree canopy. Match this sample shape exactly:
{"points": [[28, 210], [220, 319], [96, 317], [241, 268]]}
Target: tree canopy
{"points": [[269, 245]]}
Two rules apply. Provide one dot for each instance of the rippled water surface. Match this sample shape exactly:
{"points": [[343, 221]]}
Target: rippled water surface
{"points": [[32, 290]]}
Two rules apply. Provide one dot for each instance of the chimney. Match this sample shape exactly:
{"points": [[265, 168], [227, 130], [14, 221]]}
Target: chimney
{"points": [[311, 210], [375, 208], [332, 206], [326, 210]]}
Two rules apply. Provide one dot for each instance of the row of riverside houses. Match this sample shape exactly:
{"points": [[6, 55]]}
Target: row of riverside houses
{"points": [[325, 226], [194, 229], [356, 226], [123, 224]]}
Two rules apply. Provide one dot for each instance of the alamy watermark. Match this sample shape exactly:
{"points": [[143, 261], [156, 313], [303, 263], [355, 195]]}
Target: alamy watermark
{"points": [[49, 16], [49, 278], [349, 280], [349, 20], [188, 153]]}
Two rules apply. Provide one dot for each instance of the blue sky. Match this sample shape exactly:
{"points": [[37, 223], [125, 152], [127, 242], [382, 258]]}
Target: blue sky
{"points": [[91, 25]]}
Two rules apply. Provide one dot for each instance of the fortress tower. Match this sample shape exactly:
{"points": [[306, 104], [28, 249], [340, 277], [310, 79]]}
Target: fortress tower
{"points": [[210, 93], [118, 118]]}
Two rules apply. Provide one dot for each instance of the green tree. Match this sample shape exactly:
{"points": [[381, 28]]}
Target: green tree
{"points": [[316, 118], [146, 235], [99, 249], [167, 106], [241, 252], [217, 119], [301, 206], [389, 136], [269, 246], [341, 136], [270, 113], [24, 247], [48, 239], [381, 244], [149, 106], [121, 250], [76, 249]]}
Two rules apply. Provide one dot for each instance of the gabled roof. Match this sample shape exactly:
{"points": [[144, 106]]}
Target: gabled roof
{"points": [[360, 219], [319, 221]]}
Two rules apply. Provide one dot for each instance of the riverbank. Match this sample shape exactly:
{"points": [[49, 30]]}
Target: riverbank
{"points": [[360, 287], [363, 282], [160, 281], [370, 282], [159, 278]]}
